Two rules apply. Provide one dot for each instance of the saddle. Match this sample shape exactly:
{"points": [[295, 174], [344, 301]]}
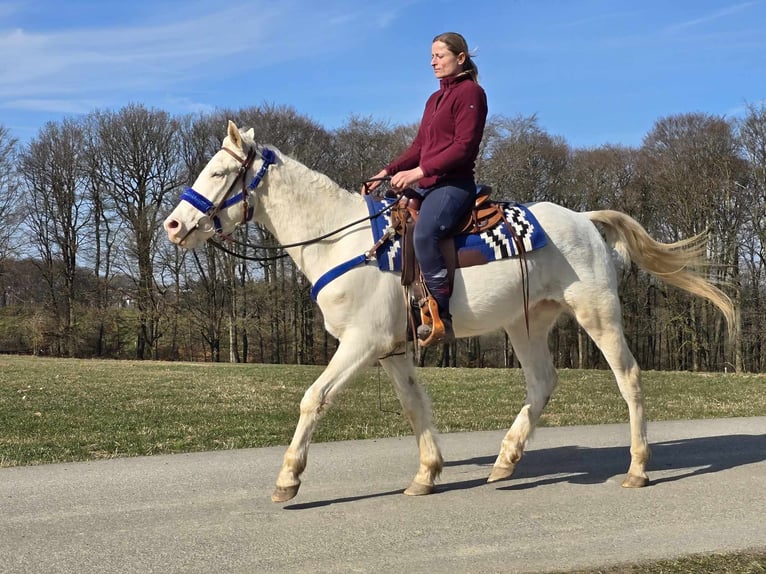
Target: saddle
{"points": [[485, 215]]}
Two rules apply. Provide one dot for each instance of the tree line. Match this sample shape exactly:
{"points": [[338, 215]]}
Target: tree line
{"points": [[86, 269]]}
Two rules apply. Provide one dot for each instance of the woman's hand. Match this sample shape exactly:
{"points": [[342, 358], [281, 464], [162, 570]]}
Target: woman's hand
{"points": [[370, 186], [405, 179]]}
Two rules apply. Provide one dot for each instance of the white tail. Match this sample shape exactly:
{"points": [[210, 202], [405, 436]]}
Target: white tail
{"points": [[675, 263]]}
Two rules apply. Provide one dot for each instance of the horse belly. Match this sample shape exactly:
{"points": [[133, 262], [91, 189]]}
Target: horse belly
{"points": [[487, 298]]}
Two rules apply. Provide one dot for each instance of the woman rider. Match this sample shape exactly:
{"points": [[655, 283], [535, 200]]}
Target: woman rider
{"points": [[439, 165]]}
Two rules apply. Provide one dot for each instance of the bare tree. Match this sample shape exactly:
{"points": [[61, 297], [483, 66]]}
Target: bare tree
{"points": [[8, 208], [691, 163], [54, 178], [522, 162], [290, 312], [207, 298], [138, 165], [101, 246], [363, 146], [8, 191], [601, 178], [750, 351]]}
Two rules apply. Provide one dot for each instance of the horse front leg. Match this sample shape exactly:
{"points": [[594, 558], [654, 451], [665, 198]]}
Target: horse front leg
{"points": [[348, 359], [417, 408]]}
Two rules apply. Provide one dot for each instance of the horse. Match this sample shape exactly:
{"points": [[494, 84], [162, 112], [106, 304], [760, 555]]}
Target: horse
{"points": [[364, 308]]}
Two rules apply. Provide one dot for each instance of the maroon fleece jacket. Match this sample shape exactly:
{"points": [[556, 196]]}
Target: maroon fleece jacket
{"points": [[450, 132]]}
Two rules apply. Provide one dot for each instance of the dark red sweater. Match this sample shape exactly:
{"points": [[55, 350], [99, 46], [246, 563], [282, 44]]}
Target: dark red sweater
{"points": [[450, 132]]}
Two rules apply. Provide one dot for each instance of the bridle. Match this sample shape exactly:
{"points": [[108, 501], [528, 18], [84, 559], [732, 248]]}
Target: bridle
{"points": [[211, 210]]}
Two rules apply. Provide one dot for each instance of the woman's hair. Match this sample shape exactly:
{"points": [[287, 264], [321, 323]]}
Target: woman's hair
{"points": [[456, 44]]}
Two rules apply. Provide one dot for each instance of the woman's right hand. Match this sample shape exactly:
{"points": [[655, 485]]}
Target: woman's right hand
{"points": [[370, 185]]}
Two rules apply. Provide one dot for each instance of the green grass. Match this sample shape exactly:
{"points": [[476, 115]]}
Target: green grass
{"points": [[61, 410], [752, 562]]}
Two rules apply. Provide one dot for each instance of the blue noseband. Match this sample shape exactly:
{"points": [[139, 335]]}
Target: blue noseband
{"points": [[203, 204]]}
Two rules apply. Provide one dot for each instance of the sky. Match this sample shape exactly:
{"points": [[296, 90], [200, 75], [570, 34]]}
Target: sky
{"points": [[593, 72]]}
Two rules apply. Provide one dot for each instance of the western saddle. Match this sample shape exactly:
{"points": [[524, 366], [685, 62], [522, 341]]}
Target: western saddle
{"points": [[486, 214]]}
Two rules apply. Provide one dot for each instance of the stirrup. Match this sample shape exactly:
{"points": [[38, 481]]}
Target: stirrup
{"points": [[433, 329]]}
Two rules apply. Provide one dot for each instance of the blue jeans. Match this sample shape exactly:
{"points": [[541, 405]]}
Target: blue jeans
{"points": [[443, 207]]}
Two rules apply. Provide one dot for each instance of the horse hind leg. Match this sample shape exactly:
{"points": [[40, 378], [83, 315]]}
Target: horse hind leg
{"points": [[603, 323], [541, 379], [417, 408]]}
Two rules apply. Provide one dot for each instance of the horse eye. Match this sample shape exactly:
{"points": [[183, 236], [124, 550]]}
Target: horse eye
{"points": [[218, 174]]}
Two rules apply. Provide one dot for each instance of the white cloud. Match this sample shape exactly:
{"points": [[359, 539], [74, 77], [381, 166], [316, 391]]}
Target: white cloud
{"points": [[62, 106], [709, 17], [113, 62]]}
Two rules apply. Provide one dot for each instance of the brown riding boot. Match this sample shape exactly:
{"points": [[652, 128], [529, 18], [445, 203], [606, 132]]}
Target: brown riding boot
{"points": [[434, 328]]}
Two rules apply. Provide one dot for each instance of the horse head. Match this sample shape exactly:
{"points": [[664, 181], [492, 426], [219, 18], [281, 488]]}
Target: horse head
{"points": [[220, 198]]}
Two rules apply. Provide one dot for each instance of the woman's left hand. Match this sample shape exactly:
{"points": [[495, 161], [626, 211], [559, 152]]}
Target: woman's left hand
{"points": [[405, 179]]}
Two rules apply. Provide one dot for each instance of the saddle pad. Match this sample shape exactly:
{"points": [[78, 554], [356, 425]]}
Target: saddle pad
{"points": [[493, 244]]}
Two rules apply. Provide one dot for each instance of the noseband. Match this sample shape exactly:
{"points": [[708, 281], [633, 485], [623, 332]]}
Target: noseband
{"points": [[212, 210]]}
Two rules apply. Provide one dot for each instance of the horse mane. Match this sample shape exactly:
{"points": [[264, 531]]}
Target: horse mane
{"points": [[300, 176]]}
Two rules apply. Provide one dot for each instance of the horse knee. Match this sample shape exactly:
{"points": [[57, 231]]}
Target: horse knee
{"points": [[313, 403]]}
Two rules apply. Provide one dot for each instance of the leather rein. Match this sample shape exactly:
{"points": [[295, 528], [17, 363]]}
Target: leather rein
{"points": [[210, 209]]}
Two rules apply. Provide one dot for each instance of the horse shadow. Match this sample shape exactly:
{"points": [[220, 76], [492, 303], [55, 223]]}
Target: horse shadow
{"points": [[585, 465]]}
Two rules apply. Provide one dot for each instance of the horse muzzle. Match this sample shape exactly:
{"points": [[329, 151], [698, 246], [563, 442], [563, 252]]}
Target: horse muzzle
{"points": [[188, 237]]}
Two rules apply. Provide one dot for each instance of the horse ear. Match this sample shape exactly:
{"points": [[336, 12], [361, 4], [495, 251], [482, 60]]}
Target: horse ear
{"points": [[234, 136], [250, 133]]}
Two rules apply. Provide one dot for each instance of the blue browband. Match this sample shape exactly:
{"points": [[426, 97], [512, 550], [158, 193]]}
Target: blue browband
{"points": [[207, 207]]}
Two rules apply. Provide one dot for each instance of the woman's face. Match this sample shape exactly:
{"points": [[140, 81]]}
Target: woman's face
{"points": [[444, 62]]}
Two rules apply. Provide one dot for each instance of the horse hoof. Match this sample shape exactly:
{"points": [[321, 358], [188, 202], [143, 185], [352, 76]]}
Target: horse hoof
{"points": [[633, 481], [500, 473], [417, 489], [284, 493]]}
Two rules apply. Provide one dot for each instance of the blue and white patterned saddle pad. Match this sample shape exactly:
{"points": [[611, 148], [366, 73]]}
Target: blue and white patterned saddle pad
{"points": [[493, 244]]}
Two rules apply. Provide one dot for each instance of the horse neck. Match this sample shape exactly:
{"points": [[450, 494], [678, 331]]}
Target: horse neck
{"points": [[300, 204]]}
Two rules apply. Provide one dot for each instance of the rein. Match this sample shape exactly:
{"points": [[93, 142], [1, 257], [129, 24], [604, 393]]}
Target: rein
{"points": [[207, 207], [229, 239], [313, 240]]}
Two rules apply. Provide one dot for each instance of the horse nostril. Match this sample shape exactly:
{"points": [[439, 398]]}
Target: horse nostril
{"points": [[171, 224]]}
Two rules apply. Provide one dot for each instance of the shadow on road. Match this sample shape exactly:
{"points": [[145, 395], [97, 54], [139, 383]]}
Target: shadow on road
{"points": [[320, 503], [584, 465]]}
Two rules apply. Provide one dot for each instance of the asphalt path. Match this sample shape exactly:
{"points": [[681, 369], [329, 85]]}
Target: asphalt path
{"points": [[564, 508]]}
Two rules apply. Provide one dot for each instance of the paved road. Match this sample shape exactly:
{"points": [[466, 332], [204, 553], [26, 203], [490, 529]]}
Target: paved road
{"points": [[211, 513]]}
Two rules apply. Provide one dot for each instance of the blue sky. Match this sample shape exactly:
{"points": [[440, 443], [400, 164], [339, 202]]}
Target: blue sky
{"points": [[593, 71]]}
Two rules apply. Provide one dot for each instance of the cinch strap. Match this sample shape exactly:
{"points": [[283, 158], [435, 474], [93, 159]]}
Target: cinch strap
{"points": [[336, 272]]}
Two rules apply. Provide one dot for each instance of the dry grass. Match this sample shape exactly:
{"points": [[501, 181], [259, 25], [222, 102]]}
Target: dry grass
{"points": [[60, 410], [752, 562]]}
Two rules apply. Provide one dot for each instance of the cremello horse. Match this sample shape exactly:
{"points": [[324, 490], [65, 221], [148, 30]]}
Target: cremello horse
{"points": [[365, 310]]}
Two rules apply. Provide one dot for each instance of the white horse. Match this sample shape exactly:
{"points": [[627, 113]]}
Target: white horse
{"points": [[364, 308]]}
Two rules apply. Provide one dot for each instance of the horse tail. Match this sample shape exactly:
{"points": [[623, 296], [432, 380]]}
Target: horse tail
{"points": [[675, 263]]}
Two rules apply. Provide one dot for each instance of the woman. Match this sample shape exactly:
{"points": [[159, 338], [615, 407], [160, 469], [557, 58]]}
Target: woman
{"points": [[440, 166]]}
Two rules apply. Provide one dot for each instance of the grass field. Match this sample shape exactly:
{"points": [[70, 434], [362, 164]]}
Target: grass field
{"points": [[60, 410], [742, 563]]}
